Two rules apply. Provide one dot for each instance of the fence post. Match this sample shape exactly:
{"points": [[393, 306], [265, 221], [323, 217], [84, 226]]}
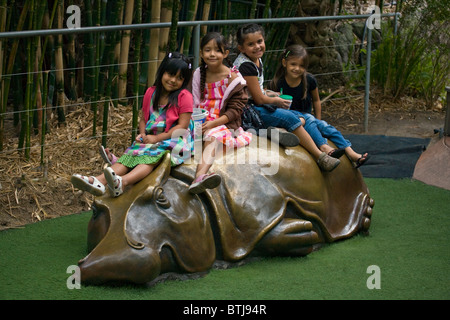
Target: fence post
{"points": [[447, 114], [196, 45], [367, 86]]}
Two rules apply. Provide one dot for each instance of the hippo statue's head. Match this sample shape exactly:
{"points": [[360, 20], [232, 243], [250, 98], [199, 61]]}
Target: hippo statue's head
{"points": [[139, 235]]}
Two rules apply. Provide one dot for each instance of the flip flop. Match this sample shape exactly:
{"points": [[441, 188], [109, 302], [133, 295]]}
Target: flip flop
{"points": [[82, 182], [336, 153], [114, 182], [365, 157], [205, 181], [104, 156]]}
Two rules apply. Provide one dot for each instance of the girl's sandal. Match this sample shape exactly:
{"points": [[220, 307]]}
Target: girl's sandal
{"points": [[105, 157], [336, 153], [82, 182], [114, 182], [364, 158]]}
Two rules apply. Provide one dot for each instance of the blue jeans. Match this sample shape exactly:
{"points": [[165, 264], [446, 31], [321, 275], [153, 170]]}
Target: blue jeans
{"points": [[280, 118], [320, 131]]}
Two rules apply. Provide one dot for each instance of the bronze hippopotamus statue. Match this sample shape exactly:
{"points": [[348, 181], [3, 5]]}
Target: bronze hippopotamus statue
{"points": [[157, 226]]}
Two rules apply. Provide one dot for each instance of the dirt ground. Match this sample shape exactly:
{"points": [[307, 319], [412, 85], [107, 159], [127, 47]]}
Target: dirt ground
{"points": [[30, 192]]}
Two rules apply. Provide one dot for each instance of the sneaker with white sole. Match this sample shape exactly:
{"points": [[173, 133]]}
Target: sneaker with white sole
{"points": [[285, 138], [327, 163]]}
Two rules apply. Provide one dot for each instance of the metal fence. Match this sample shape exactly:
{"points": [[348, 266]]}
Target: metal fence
{"points": [[196, 36]]}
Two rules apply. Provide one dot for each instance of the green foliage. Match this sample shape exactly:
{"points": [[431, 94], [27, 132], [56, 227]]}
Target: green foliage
{"points": [[415, 60]]}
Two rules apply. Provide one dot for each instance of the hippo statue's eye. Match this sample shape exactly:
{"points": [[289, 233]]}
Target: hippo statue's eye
{"points": [[160, 198]]}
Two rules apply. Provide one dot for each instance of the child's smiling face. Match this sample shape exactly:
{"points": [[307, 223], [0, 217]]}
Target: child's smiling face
{"points": [[295, 67], [253, 46], [212, 54], [172, 82]]}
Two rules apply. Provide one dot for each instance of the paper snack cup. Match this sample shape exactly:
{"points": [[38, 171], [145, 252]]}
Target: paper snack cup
{"points": [[287, 97], [199, 116]]}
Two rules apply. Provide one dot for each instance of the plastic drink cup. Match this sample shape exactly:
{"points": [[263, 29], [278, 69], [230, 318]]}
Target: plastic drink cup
{"points": [[287, 97], [199, 116]]}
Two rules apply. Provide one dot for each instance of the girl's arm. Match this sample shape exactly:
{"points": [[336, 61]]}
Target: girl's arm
{"points": [[142, 124], [316, 104], [215, 123], [259, 97]]}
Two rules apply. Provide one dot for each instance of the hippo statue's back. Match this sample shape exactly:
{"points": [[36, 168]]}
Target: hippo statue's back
{"points": [[275, 202]]}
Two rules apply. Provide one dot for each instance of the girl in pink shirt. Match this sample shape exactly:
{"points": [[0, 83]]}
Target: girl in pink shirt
{"points": [[165, 126]]}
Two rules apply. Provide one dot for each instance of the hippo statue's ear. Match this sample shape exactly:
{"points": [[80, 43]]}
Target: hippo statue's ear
{"points": [[162, 171], [157, 177]]}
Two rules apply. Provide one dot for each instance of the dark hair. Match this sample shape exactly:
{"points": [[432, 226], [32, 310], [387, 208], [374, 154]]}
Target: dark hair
{"points": [[243, 31], [223, 46], [172, 63], [296, 51]]}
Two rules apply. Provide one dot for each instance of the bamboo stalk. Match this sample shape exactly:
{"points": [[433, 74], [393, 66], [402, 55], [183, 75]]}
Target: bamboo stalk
{"points": [[166, 16], [266, 9], [154, 38], [143, 74], [205, 16], [29, 87], [72, 64], [60, 65], [89, 56], [98, 82], [110, 74], [117, 48], [137, 68], [192, 11], [124, 52], [10, 66], [253, 9], [3, 10], [37, 24], [44, 118], [174, 26]]}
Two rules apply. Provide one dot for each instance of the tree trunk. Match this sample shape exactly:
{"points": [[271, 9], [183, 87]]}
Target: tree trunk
{"points": [[317, 38]]}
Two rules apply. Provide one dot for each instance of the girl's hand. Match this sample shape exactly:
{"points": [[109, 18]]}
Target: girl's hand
{"points": [[282, 103], [140, 137], [208, 125], [150, 139]]}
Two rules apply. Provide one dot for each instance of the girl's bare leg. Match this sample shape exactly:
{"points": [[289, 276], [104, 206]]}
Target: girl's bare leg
{"points": [[354, 156], [307, 142], [208, 155], [137, 174]]}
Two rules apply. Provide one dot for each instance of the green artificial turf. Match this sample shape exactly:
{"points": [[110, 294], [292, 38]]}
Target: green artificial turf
{"points": [[409, 242]]}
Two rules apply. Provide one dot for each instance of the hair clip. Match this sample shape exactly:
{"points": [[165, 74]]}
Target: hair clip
{"points": [[190, 66], [287, 53], [170, 55]]}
